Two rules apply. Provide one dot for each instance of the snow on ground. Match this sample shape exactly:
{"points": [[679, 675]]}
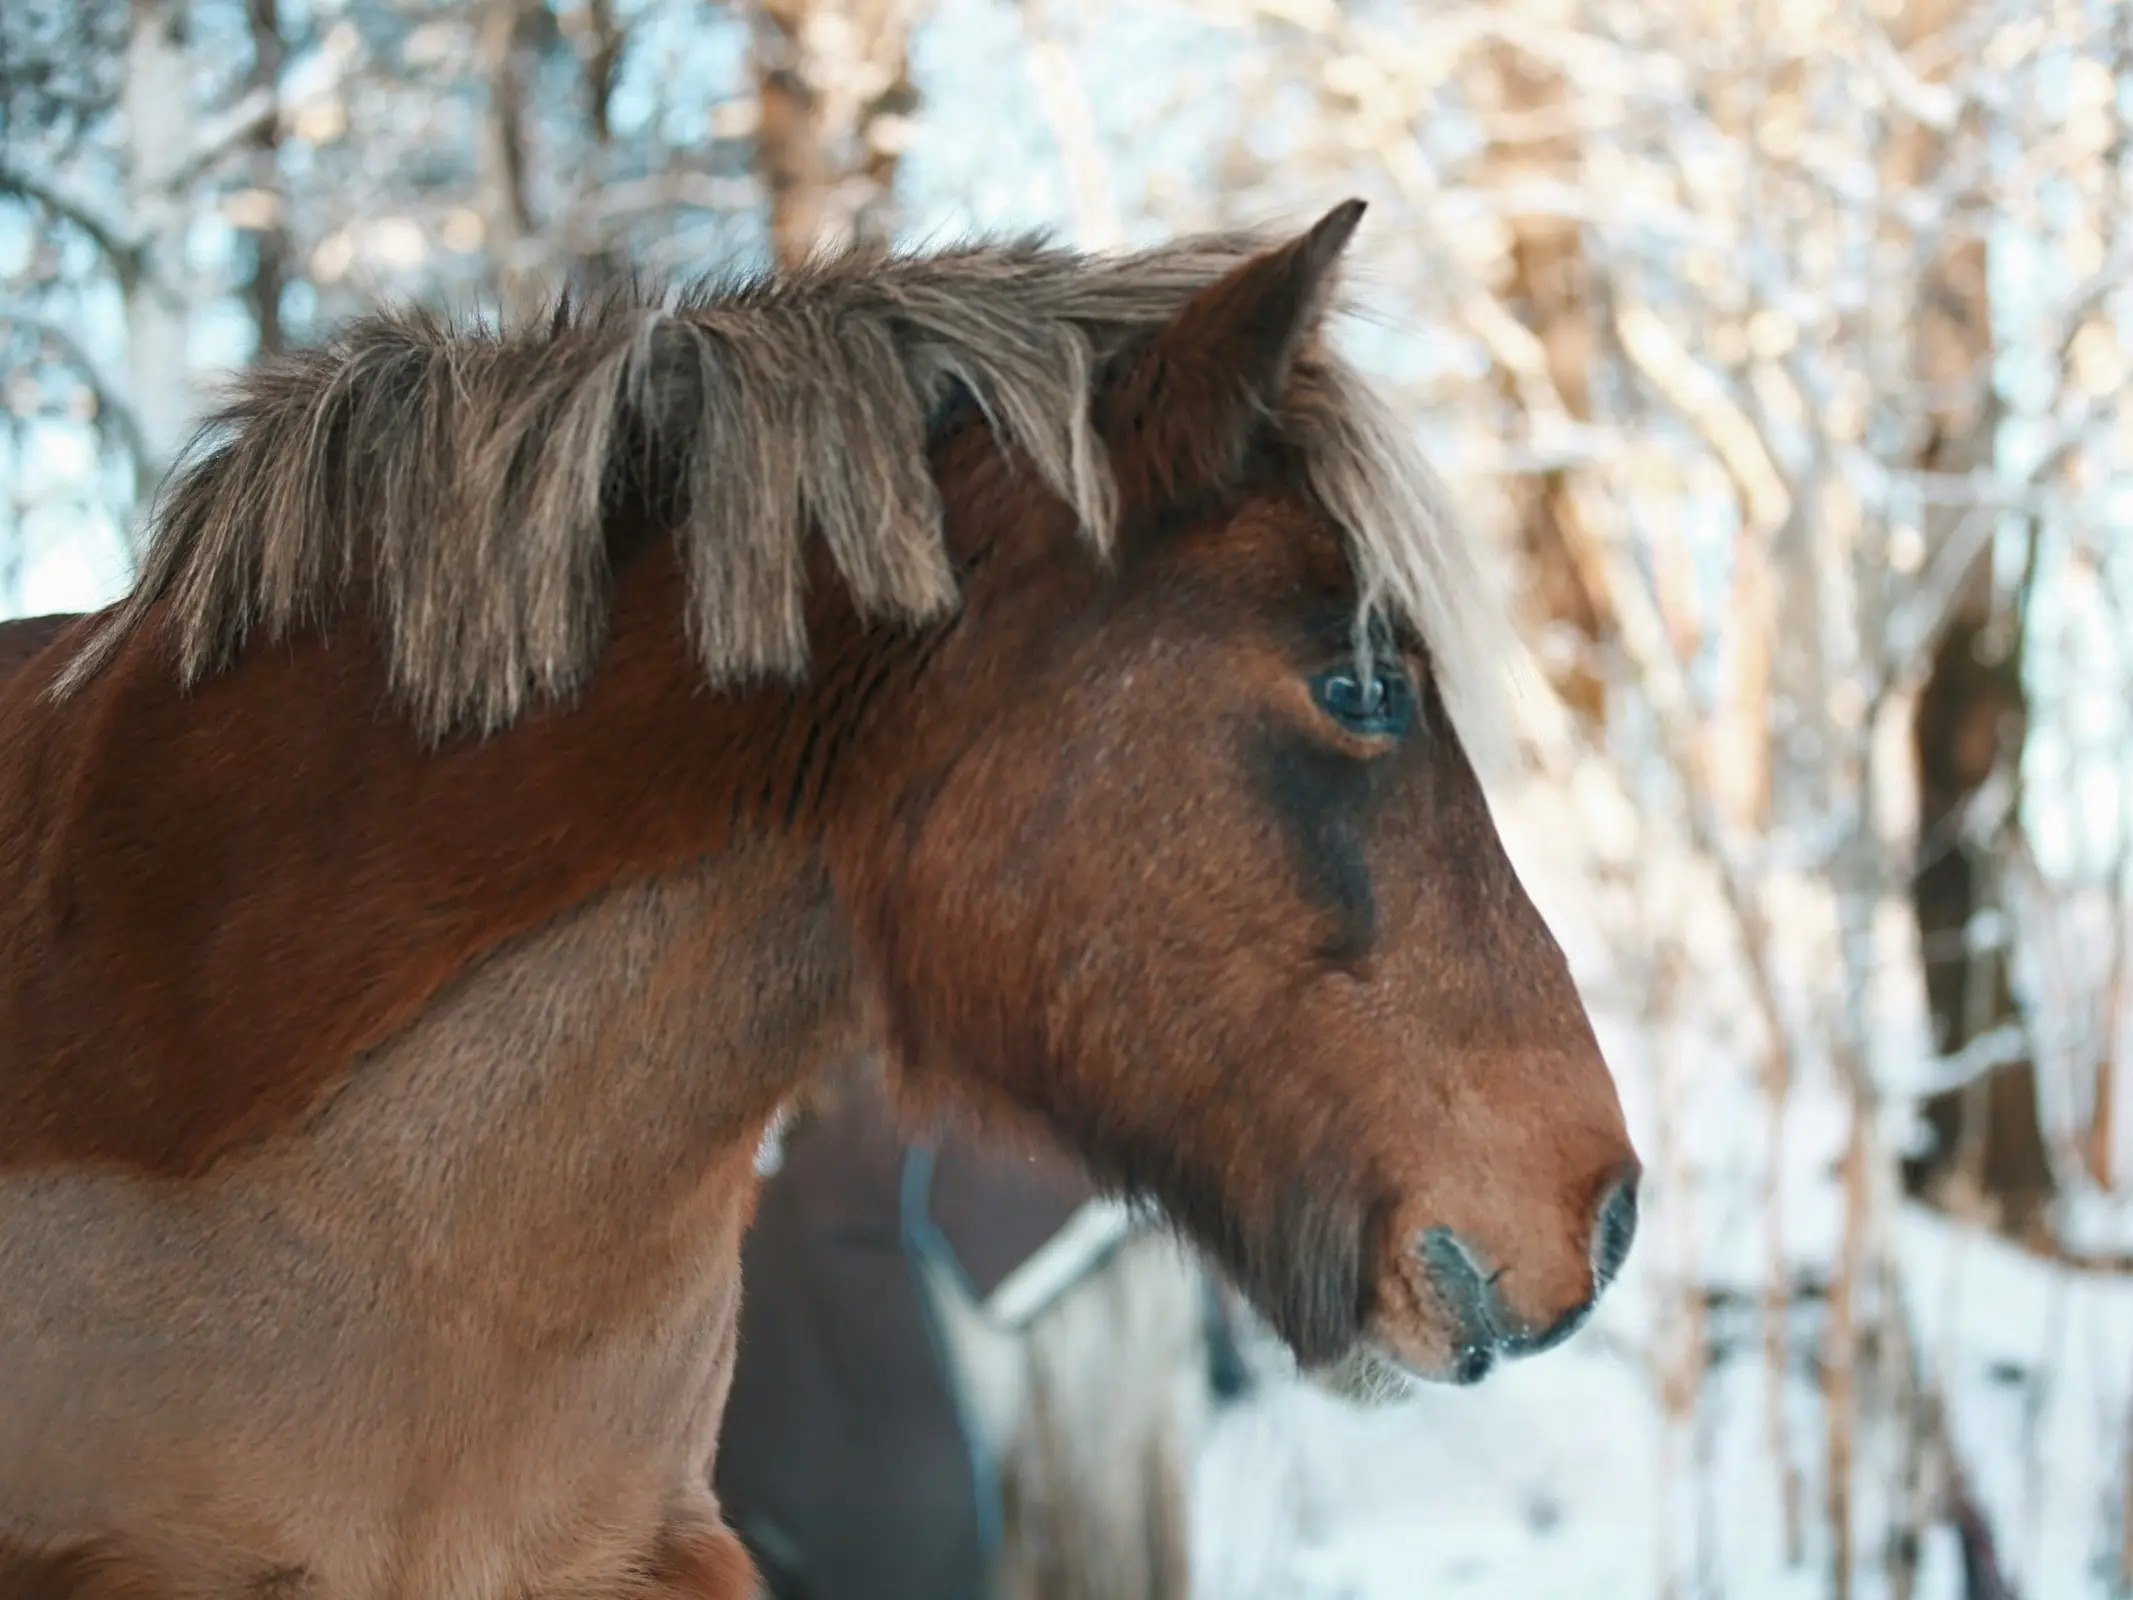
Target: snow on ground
{"points": [[2040, 1363], [1560, 1477]]}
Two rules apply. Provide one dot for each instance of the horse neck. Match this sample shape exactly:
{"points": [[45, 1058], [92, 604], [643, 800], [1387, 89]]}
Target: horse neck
{"points": [[566, 1136], [216, 902]]}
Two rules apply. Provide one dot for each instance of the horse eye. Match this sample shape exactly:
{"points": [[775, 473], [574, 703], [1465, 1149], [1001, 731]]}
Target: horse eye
{"points": [[1385, 705]]}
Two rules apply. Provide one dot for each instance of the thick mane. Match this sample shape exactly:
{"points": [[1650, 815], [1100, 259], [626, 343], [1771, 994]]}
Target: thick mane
{"points": [[461, 479]]}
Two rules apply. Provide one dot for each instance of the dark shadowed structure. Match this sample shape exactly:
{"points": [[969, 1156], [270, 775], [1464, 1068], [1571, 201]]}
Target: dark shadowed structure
{"points": [[861, 1453]]}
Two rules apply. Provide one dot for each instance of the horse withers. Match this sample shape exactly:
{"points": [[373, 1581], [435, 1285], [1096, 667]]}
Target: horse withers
{"points": [[527, 757]]}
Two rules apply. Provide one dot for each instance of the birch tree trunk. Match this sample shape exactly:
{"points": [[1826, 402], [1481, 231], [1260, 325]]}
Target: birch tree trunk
{"points": [[157, 102], [263, 216], [834, 94], [513, 247], [600, 38]]}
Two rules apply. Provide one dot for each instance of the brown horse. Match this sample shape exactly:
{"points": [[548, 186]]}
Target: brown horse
{"points": [[527, 757]]}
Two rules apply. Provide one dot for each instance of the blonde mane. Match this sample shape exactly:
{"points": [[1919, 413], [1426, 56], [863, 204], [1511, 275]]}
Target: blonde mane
{"points": [[462, 477]]}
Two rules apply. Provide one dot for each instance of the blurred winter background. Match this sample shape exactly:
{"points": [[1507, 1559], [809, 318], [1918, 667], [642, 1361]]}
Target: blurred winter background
{"points": [[1778, 350]]}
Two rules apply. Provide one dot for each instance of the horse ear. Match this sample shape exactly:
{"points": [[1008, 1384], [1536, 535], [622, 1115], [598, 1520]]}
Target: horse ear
{"points": [[1181, 413]]}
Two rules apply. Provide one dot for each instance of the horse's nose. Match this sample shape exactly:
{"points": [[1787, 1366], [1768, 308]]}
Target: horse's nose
{"points": [[1487, 1328], [1468, 1295]]}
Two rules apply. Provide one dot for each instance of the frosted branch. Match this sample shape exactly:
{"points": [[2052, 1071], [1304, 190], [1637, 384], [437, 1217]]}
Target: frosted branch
{"points": [[110, 233], [113, 410], [222, 134]]}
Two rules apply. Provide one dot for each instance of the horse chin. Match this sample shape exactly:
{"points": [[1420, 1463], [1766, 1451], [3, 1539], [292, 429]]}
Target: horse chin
{"points": [[1368, 1377]]}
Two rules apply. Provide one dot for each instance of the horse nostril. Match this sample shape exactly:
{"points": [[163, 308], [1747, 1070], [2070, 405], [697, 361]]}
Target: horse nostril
{"points": [[1474, 1363], [1616, 1230], [1468, 1293]]}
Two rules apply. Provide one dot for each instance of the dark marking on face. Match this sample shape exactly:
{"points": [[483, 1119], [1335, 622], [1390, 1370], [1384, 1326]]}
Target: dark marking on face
{"points": [[1323, 799]]}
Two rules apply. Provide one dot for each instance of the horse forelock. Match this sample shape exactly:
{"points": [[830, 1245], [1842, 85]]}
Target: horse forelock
{"points": [[463, 477]]}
